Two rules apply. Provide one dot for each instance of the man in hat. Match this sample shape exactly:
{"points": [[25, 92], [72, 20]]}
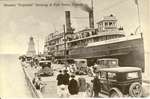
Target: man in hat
{"points": [[96, 85], [73, 86], [66, 77], [59, 82]]}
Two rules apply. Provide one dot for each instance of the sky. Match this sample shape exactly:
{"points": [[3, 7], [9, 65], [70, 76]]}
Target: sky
{"points": [[18, 23]]}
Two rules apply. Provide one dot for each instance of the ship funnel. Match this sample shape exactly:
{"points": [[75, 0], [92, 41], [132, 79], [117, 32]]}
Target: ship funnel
{"points": [[91, 19], [68, 22]]}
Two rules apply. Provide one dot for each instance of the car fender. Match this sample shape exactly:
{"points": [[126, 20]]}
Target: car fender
{"points": [[116, 90]]}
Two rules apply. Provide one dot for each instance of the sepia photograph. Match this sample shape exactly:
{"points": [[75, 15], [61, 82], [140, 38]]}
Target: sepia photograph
{"points": [[74, 48]]}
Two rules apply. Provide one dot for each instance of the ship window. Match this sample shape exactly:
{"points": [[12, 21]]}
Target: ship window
{"points": [[112, 37], [113, 23], [93, 33], [106, 24], [96, 40], [87, 34], [77, 37], [110, 23]]}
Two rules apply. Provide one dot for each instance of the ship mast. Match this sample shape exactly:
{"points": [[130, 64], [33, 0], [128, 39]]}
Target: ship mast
{"points": [[38, 44], [65, 47], [92, 5], [139, 21]]}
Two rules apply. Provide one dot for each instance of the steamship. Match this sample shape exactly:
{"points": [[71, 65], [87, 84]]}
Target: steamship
{"points": [[106, 41]]}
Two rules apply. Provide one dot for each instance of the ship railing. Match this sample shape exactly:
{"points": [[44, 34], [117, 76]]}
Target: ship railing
{"points": [[131, 37], [99, 34]]}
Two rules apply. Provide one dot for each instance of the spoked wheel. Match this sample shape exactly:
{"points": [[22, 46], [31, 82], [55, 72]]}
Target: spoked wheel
{"points": [[89, 90], [135, 90], [116, 93]]}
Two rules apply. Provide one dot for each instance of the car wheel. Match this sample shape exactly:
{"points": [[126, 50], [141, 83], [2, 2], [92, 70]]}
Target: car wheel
{"points": [[116, 93], [89, 90], [135, 90]]}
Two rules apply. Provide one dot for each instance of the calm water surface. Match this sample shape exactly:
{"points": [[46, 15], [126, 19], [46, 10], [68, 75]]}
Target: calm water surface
{"points": [[12, 81]]}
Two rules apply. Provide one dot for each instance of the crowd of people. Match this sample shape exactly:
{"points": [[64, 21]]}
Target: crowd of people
{"points": [[65, 85]]}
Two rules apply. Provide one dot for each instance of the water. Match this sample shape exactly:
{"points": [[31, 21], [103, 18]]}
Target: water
{"points": [[12, 81]]}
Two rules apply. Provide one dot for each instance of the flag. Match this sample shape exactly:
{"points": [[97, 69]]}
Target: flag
{"points": [[136, 2]]}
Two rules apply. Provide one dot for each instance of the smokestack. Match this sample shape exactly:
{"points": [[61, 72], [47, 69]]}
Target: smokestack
{"points": [[68, 22], [91, 19]]}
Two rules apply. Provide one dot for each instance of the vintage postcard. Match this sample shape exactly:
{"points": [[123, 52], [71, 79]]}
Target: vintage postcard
{"points": [[74, 48]]}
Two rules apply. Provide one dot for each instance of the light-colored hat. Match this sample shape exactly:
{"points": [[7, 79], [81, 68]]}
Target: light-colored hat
{"points": [[62, 87], [94, 75]]}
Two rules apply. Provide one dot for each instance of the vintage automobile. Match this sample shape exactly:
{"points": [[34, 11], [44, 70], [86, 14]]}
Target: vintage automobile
{"points": [[103, 63], [119, 82], [106, 63], [46, 69], [81, 65], [42, 77]]}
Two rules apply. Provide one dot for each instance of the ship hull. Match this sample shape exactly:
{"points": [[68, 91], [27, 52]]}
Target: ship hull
{"points": [[129, 52]]}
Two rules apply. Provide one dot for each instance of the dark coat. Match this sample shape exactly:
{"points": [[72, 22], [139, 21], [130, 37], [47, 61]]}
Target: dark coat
{"points": [[66, 77], [73, 87], [96, 85], [60, 79]]}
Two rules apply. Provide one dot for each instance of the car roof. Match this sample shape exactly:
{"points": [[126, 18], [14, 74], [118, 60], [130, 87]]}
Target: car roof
{"points": [[44, 61], [121, 69], [79, 59], [108, 59]]}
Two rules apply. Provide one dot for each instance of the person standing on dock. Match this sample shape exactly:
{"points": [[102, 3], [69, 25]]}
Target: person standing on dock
{"points": [[73, 86], [66, 77], [96, 86], [59, 82]]}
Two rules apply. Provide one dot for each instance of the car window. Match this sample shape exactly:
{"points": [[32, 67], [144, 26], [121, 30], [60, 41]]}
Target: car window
{"points": [[100, 62], [132, 75], [82, 62], [103, 75], [105, 62], [113, 62], [121, 77], [112, 76]]}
